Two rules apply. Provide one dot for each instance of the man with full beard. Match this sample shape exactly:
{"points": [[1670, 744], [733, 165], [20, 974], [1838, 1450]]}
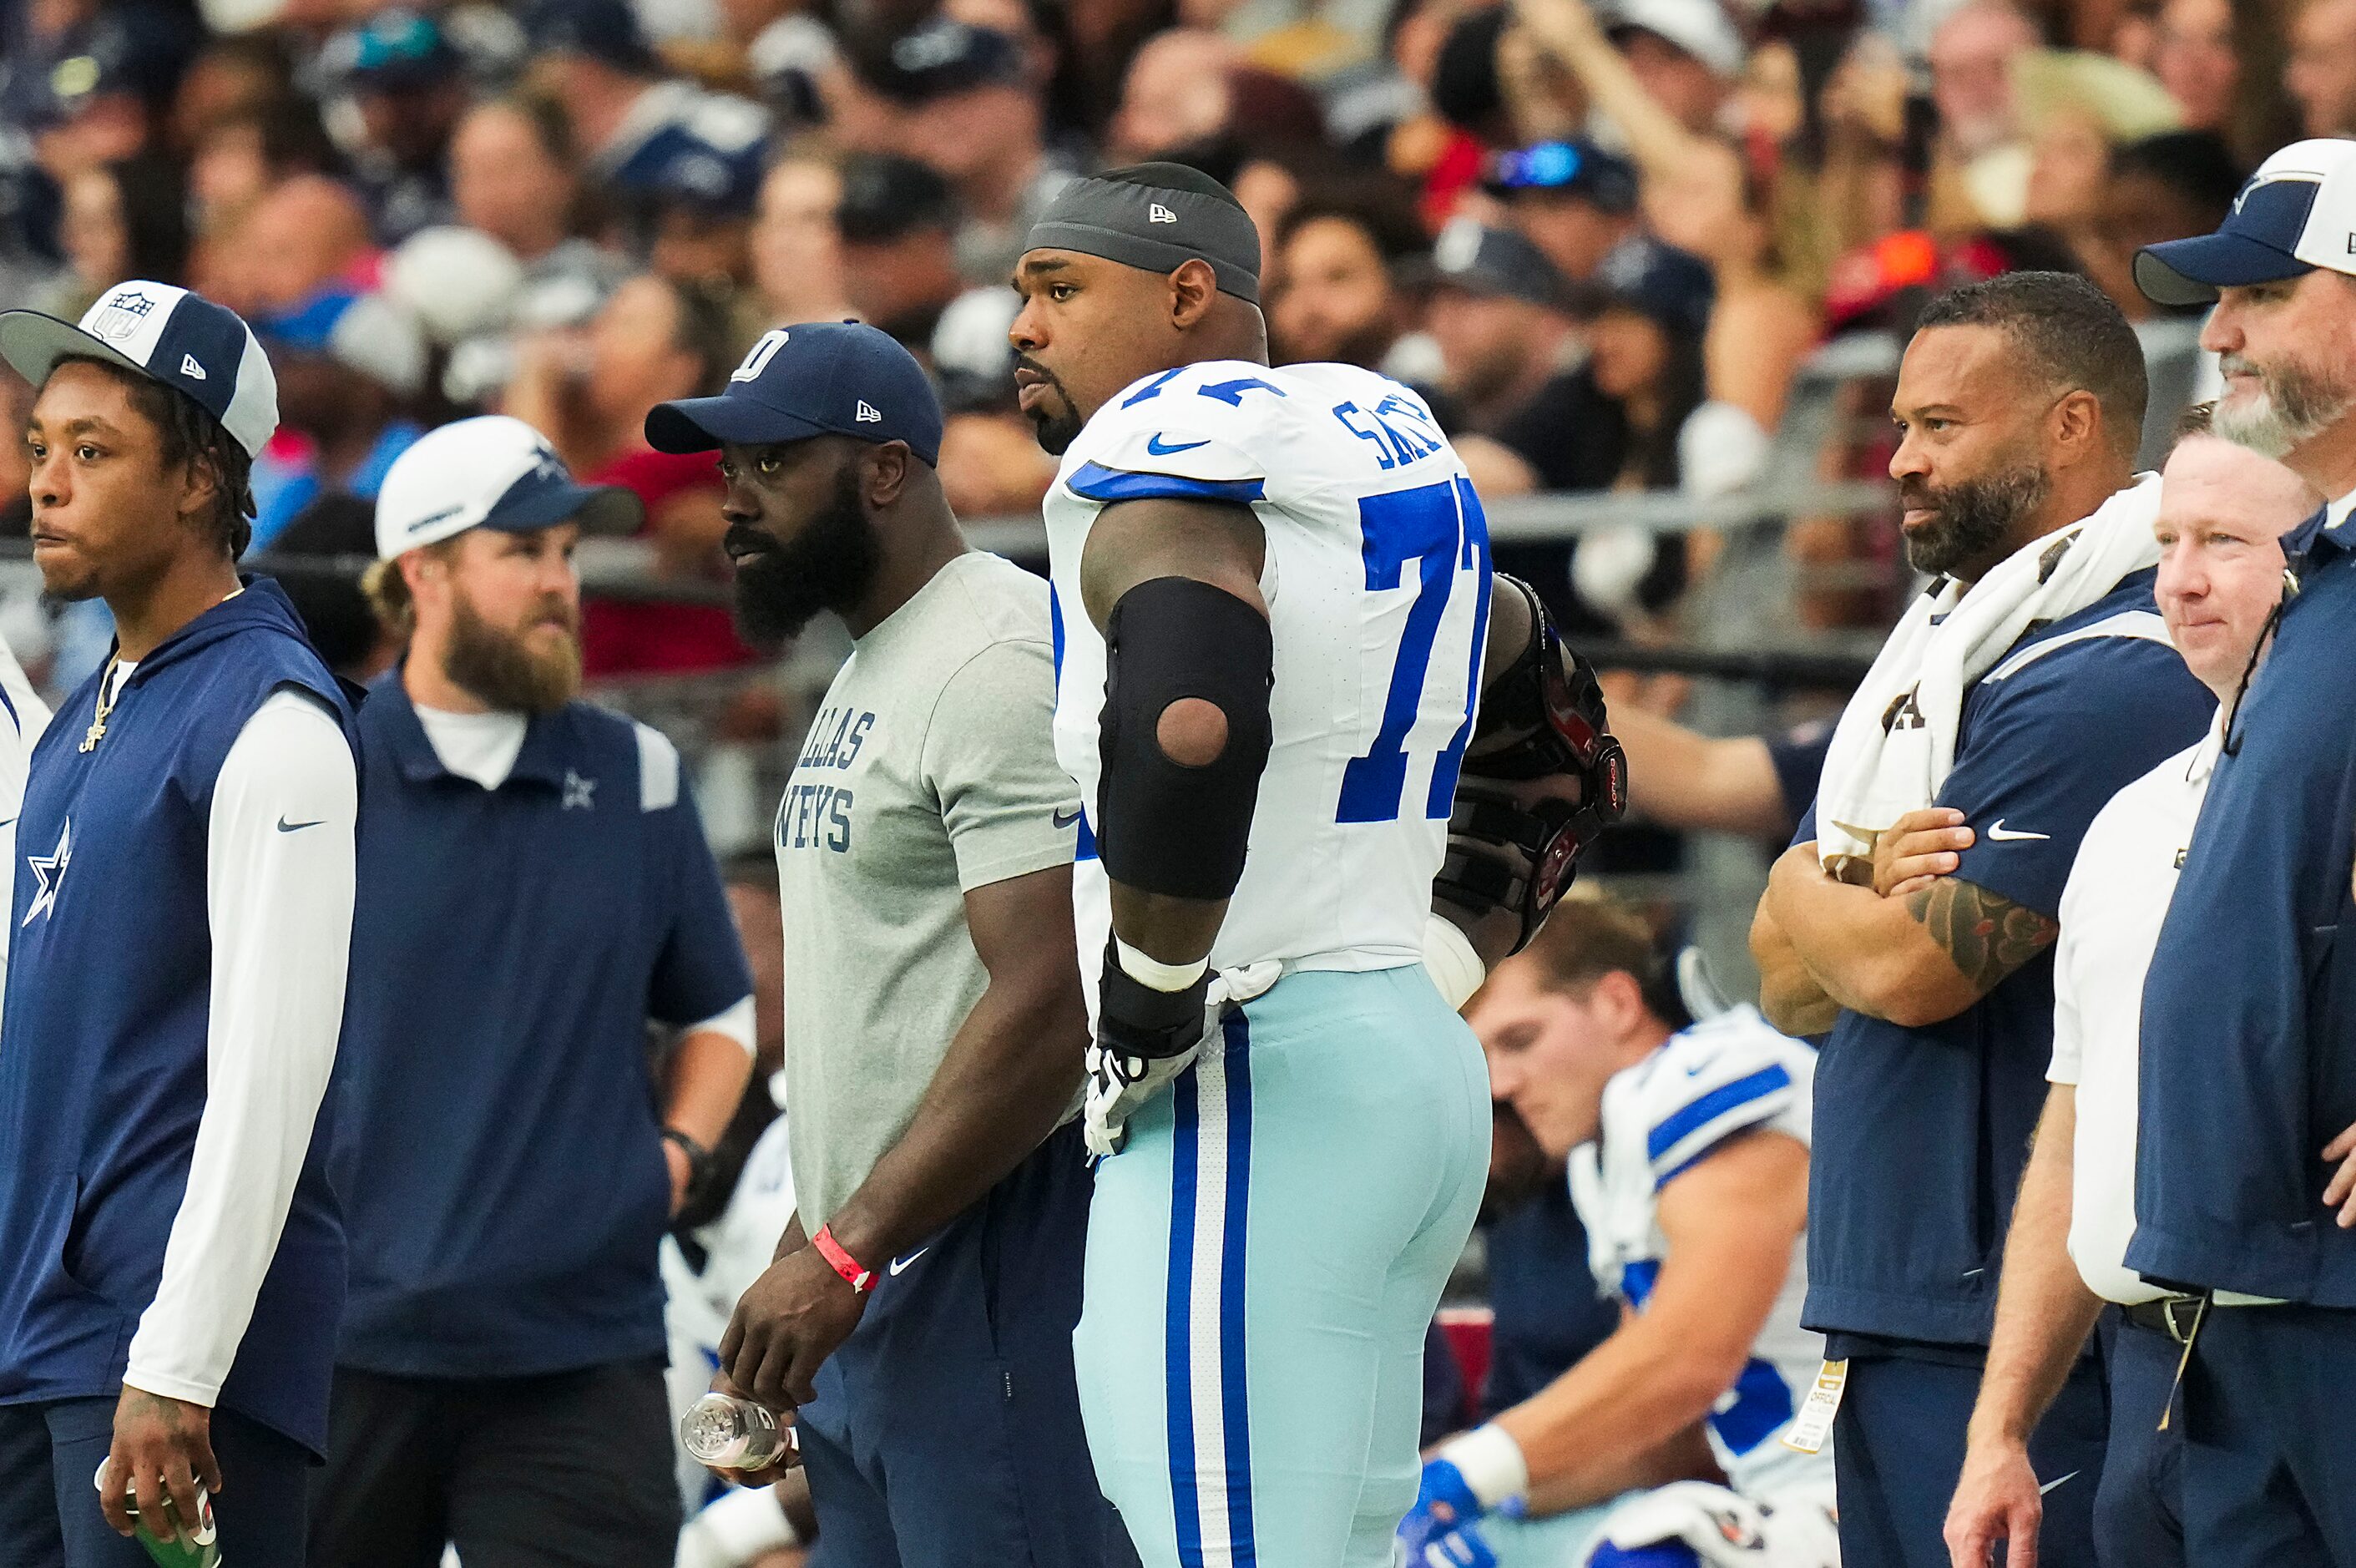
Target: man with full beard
{"points": [[2245, 1074], [918, 1318], [535, 891], [2028, 683]]}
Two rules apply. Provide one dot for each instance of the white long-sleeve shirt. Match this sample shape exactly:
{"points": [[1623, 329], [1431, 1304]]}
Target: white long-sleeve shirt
{"points": [[280, 885], [23, 718]]}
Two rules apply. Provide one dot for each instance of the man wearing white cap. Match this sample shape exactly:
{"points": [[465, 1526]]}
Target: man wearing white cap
{"points": [[540, 892], [2242, 1173], [171, 1258]]}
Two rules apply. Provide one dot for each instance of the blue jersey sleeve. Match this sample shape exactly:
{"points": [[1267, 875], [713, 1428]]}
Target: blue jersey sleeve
{"points": [[2047, 748], [701, 969]]}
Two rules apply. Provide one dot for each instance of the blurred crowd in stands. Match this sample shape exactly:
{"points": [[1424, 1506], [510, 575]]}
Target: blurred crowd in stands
{"points": [[1599, 235]]}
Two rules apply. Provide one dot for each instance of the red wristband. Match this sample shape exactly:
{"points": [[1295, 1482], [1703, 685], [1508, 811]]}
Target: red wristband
{"points": [[843, 1262]]}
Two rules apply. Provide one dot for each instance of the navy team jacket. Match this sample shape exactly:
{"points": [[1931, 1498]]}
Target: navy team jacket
{"points": [[103, 1054]]}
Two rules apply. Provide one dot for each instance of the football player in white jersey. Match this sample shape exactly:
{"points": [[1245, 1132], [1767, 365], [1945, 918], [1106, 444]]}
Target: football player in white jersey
{"points": [[1274, 609], [1688, 1161]]}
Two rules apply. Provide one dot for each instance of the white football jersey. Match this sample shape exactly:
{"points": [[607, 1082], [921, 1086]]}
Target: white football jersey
{"points": [[1732, 1074], [1377, 583]]}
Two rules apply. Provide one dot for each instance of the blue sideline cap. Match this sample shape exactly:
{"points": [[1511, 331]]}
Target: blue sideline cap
{"points": [[202, 351], [489, 472], [2296, 213], [830, 378]]}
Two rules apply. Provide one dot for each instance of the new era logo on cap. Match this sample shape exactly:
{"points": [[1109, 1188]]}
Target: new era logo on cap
{"points": [[167, 335], [840, 378], [1157, 213]]}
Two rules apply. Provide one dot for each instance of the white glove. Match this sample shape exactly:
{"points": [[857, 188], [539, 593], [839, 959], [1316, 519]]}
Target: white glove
{"points": [[1119, 1083]]}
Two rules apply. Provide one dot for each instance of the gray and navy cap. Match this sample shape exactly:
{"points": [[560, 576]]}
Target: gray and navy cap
{"points": [[202, 351], [2296, 213], [830, 378], [1493, 263], [1155, 217]]}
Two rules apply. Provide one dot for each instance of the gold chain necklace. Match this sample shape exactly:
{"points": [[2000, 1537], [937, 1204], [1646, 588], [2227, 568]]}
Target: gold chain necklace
{"points": [[106, 698], [109, 693]]}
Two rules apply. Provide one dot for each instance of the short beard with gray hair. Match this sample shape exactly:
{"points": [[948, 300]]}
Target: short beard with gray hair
{"points": [[2295, 404], [502, 670]]}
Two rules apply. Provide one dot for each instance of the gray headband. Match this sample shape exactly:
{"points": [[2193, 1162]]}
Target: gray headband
{"points": [[1141, 226]]}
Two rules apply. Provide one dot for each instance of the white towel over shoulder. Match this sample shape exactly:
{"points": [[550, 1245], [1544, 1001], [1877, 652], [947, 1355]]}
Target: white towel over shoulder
{"points": [[1896, 740]]}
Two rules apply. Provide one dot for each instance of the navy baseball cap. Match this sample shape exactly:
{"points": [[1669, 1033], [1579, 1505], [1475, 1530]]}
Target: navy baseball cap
{"points": [[829, 378], [604, 30], [2296, 213], [202, 351], [940, 59]]}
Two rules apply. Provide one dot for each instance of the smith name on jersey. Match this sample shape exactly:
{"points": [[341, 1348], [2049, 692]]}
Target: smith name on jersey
{"points": [[1731, 1075], [1376, 580]]}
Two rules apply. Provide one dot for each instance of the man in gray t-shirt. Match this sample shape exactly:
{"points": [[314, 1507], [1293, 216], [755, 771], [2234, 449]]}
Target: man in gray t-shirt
{"points": [[918, 1318], [928, 775]]}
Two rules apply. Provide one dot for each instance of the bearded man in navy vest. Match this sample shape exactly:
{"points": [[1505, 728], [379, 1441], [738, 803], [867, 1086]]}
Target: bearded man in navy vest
{"points": [[171, 1258]]}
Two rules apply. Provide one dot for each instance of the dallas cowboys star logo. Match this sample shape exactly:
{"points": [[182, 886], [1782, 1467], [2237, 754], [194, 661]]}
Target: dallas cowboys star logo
{"points": [[49, 872], [578, 792]]}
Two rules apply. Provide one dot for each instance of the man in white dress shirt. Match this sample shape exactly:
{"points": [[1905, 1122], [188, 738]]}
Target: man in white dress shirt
{"points": [[2222, 511]]}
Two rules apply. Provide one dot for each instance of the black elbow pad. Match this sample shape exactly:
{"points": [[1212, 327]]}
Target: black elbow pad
{"points": [[1164, 826]]}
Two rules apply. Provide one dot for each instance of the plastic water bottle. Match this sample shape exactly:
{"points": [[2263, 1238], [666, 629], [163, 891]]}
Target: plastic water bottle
{"points": [[730, 1434], [180, 1546]]}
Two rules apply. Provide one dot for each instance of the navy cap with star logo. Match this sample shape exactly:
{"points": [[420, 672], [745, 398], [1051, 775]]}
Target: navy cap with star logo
{"points": [[204, 351], [829, 377], [2296, 213]]}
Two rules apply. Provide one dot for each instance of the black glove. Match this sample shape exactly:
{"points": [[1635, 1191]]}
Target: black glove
{"points": [[1542, 717]]}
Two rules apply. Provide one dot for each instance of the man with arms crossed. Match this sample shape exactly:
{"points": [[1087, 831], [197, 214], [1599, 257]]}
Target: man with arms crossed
{"points": [[2245, 1074], [1273, 591], [2024, 689], [171, 1257], [2222, 511], [1688, 1161], [920, 1310]]}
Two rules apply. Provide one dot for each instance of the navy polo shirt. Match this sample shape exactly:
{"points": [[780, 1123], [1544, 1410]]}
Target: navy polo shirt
{"points": [[2248, 1063], [1921, 1134], [498, 1150]]}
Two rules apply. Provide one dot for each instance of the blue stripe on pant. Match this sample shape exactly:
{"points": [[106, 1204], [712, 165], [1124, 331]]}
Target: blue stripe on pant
{"points": [[1206, 1233], [1264, 1257]]}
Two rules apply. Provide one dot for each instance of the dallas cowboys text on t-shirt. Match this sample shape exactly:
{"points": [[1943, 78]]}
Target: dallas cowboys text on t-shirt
{"points": [[815, 812]]}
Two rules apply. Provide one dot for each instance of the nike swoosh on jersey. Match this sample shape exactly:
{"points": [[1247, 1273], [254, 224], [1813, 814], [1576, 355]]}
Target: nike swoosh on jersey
{"points": [[1066, 819], [1999, 833], [286, 827], [2056, 1480], [1154, 444], [899, 1264]]}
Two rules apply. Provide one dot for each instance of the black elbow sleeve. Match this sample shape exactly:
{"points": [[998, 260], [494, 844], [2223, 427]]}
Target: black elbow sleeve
{"points": [[1164, 825]]}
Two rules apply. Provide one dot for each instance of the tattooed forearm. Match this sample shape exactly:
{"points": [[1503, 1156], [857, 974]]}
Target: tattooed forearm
{"points": [[1987, 935]]}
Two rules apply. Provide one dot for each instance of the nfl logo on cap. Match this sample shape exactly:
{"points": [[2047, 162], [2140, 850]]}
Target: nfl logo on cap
{"points": [[202, 351]]}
